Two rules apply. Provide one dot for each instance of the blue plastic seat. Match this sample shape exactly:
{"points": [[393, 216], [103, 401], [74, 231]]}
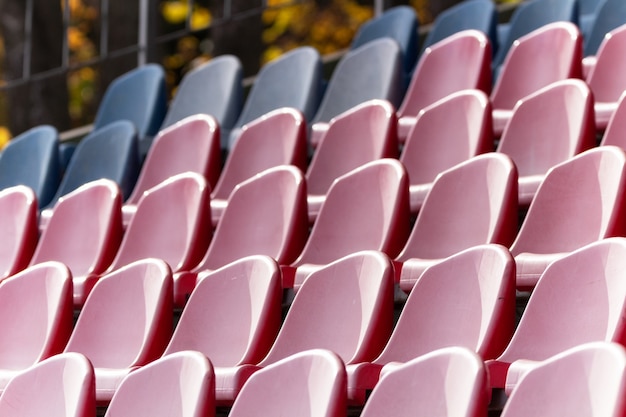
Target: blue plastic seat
{"points": [[610, 15], [587, 13], [32, 159]]}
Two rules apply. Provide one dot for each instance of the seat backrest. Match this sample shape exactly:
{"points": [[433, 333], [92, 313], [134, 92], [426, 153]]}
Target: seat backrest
{"points": [[266, 215], [233, 314], [275, 138], [317, 387], [32, 159], [110, 152], [446, 382], [579, 201], [127, 318], [138, 96], [38, 326], [190, 145], [172, 222], [472, 203], [548, 54], [178, 385], [610, 15], [605, 78], [372, 71], [615, 133], [18, 228], [585, 380], [458, 62], [399, 23], [63, 386], [362, 134], [213, 88], [85, 229], [320, 316]]}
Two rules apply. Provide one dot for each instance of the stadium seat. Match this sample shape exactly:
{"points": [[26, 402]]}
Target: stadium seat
{"points": [[38, 317], [545, 55], [579, 298], [18, 228], [61, 386], [579, 201], [372, 71], [125, 323], [448, 132], [615, 133], [365, 209], [477, 284], [292, 80], [585, 380], [459, 62], [587, 13], [472, 203], [178, 385], [232, 316], [265, 215], [548, 127], [138, 96], [32, 159], [190, 145], [364, 133], [449, 382], [609, 16], [316, 387], [275, 138]]}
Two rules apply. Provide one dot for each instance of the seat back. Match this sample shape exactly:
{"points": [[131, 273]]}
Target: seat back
{"points": [[605, 78], [317, 387], [178, 385], [32, 159], [18, 228], [172, 222], [615, 133], [610, 15], [446, 382], [233, 314], [63, 386], [321, 318]]}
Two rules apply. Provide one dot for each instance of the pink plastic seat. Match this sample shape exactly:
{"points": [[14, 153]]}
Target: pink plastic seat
{"points": [[472, 203], [18, 228], [276, 138], [587, 380], [545, 55], [579, 298], [61, 386], [466, 300], [365, 209], [459, 62], [265, 215], [446, 382], [446, 133], [307, 384], [37, 318], [84, 233], [190, 145], [546, 128], [125, 323], [362, 134], [615, 133], [579, 201], [606, 78], [232, 316], [177, 385]]}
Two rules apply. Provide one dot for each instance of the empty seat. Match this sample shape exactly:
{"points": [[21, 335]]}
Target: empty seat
{"points": [[579, 201], [446, 382], [578, 299], [126, 322], [178, 385], [458, 62], [548, 54], [61, 386], [546, 128], [472, 203], [587, 13], [316, 387], [466, 300], [18, 228], [448, 132], [365, 209], [609, 15], [615, 132]]}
